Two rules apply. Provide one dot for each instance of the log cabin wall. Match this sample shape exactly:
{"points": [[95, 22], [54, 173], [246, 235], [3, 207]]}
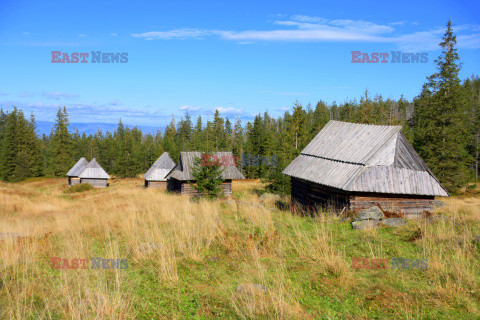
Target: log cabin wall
{"points": [[409, 205], [74, 181], [184, 188], [312, 195], [96, 183], [156, 184]]}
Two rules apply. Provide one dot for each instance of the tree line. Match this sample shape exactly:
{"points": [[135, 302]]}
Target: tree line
{"points": [[442, 123]]}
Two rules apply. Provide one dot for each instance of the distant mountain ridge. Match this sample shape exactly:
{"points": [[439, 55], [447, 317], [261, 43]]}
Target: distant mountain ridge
{"points": [[45, 127]]}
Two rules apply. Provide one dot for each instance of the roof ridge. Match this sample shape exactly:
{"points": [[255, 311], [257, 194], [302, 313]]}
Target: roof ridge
{"points": [[331, 159], [394, 135], [366, 124]]}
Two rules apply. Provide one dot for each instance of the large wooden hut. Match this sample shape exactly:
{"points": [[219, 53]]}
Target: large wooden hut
{"points": [[178, 179], [94, 174], [73, 173], [355, 166], [156, 176]]}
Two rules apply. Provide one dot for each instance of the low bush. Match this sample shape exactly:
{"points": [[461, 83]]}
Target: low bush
{"points": [[79, 188]]}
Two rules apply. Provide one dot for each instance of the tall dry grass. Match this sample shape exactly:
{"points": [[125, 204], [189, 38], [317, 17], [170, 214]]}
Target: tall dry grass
{"points": [[93, 224], [164, 231]]}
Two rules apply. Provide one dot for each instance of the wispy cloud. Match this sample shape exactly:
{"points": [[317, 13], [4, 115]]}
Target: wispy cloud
{"points": [[229, 112], [26, 95], [82, 35], [114, 102], [90, 110], [232, 112], [55, 95], [174, 34], [398, 23], [114, 34], [317, 29], [190, 109]]}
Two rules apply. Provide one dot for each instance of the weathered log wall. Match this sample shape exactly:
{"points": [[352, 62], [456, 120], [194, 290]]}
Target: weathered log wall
{"points": [[156, 184], [73, 181], [185, 188], [408, 205], [311, 196], [96, 183]]}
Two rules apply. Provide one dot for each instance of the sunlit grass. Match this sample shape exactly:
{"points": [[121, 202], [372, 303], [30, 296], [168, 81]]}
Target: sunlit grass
{"points": [[221, 259]]}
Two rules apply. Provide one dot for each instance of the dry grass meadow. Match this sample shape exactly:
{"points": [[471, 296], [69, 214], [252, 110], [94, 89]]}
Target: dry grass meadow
{"points": [[224, 260]]}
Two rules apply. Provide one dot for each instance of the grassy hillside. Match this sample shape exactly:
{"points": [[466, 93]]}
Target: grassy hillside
{"points": [[224, 259]]}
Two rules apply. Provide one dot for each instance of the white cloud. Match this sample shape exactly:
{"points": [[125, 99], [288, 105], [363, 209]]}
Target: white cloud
{"points": [[114, 102], [229, 110], [316, 29], [90, 110], [26, 95], [304, 18], [55, 95], [398, 23], [231, 113], [114, 34], [82, 35], [173, 34], [189, 108]]}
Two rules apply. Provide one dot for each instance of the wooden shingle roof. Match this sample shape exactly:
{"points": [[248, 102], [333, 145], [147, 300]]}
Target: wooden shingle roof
{"points": [[183, 172], [364, 158], [160, 168], [77, 168], [93, 171]]}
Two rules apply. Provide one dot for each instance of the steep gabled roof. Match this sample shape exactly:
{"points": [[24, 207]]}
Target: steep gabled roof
{"points": [[364, 158], [183, 171], [77, 168], [160, 168], [93, 171]]}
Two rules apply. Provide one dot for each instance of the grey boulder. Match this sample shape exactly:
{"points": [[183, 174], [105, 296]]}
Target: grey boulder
{"points": [[394, 222], [364, 224], [372, 213]]}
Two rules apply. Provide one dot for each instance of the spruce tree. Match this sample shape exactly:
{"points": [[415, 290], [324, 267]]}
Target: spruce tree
{"points": [[60, 155], [9, 147], [207, 175], [441, 124]]}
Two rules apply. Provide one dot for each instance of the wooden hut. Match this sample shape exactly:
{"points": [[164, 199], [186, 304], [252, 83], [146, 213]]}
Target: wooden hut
{"points": [[73, 173], [178, 179], [156, 176], [94, 174], [355, 166]]}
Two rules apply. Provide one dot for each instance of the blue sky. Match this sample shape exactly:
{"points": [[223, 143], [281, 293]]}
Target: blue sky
{"points": [[240, 57]]}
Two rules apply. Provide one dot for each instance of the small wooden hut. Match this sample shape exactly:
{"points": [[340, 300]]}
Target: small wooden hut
{"points": [[156, 176], [355, 166], [178, 179], [73, 173], [94, 174]]}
